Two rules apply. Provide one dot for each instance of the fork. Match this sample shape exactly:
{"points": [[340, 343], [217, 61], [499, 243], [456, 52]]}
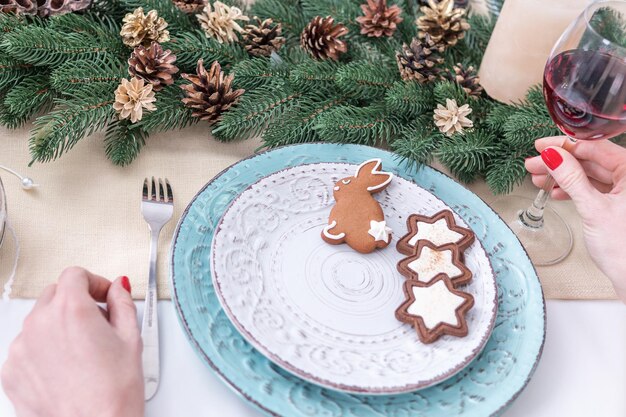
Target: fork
{"points": [[157, 210]]}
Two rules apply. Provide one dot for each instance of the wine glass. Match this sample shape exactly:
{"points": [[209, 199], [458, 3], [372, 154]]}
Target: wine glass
{"points": [[585, 91]]}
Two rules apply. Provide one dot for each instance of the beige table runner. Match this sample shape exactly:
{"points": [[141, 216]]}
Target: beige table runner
{"points": [[86, 212]]}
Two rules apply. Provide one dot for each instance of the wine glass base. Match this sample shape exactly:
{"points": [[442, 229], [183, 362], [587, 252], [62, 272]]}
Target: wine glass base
{"points": [[547, 245]]}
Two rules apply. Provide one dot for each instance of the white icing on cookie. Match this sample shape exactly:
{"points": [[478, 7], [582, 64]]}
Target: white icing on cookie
{"points": [[435, 305], [329, 235], [437, 233], [376, 171], [433, 262], [379, 231]]}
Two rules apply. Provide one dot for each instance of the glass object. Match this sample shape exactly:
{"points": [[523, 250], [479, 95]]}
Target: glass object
{"points": [[585, 91]]}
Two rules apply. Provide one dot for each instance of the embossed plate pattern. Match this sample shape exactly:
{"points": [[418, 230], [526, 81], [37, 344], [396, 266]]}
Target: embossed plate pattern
{"points": [[326, 312], [485, 387]]}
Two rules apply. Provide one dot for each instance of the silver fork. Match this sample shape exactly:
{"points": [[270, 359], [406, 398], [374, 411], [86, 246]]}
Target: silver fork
{"points": [[157, 209]]}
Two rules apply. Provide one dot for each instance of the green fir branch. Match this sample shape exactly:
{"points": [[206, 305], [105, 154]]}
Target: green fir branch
{"points": [[193, 45], [417, 143], [12, 72], [41, 46], [504, 173], [123, 142], [409, 99], [176, 19], [256, 72], [72, 119], [371, 125], [29, 97], [366, 80], [467, 155], [170, 113], [75, 75], [314, 75], [254, 111], [287, 12]]}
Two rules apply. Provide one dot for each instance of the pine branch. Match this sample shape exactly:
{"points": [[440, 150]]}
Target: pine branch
{"points": [[30, 96], [504, 173], [366, 80], [314, 75], [123, 142], [193, 45], [467, 155], [12, 72], [296, 125], [450, 90], [287, 12], [48, 47], [70, 121], [344, 11], [363, 125], [254, 111], [409, 99], [256, 72], [88, 23], [416, 144], [74, 75], [170, 113]]}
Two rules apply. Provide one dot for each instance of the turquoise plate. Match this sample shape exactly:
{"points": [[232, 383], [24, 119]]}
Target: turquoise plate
{"points": [[485, 387]]}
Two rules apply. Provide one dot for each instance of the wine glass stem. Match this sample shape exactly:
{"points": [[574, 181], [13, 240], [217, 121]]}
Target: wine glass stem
{"points": [[532, 217]]}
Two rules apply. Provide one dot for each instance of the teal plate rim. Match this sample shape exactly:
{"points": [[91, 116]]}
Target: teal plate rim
{"points": [[341, 153]]}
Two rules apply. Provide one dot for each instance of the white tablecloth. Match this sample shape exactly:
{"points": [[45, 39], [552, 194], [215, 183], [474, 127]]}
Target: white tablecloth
{"points": [[582, 372]]}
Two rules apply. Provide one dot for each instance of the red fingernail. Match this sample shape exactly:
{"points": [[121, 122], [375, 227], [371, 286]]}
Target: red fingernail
{"points": [[126, 283], [552, 158]]}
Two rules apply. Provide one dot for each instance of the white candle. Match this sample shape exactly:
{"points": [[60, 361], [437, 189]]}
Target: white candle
{"points": [[521, 42]]}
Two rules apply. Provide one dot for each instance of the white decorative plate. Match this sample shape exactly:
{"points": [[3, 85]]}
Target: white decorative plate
{"points": [[324, 312]]}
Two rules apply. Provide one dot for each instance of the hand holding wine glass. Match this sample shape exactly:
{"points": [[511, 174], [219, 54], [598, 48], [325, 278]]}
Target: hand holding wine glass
{"points": [[593, 175]]}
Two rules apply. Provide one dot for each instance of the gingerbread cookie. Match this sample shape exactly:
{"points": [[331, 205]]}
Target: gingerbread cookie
{"points": [[435, 309], [357, 218], [439, 229], [429, 261]]}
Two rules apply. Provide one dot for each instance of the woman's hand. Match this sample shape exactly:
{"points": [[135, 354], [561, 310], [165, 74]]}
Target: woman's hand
{"points": [[74, 358], [594, 177]]}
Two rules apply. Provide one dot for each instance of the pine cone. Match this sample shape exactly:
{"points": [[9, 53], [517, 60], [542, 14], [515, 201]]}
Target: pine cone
{"points": [[43, 8], [263, 38], [442, 22], [420, 61], [378, 19], [463, 4], [139, 28], [320, 38], [209, 94], [131, 97], [153, 65], [451, 118], [220, 22], [466, 78], [190, 6]]}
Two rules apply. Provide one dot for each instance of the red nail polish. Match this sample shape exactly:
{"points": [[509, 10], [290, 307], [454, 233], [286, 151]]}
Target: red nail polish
{"points": [[126, 283], [552, 158]]}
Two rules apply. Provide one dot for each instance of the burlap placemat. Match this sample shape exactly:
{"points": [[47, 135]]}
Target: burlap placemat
{"points": [[87, 212]]}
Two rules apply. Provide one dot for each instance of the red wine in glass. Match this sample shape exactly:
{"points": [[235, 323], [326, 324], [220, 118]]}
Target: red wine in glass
{"points": [[585, 92]]}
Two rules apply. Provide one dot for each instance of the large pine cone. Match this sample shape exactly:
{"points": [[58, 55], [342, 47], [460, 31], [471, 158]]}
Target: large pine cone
{"points": [[190, 6], [321, 38], [263, 38], [210, 93], [378, 19], [443, 22], [43, 8], [467, 79], [463, 4], [153, 65], [420, 61]]}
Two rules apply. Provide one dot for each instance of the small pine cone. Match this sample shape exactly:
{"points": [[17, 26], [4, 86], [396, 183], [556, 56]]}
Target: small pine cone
{"points": [[320, 38], [420, 61], [143, 29], [379, 20], [132, 97], [463, 4], [190, 6], [466, 78], [442, 22], [153, 65], [263, 38], [452, 118], [220, 22], [210, 93]]}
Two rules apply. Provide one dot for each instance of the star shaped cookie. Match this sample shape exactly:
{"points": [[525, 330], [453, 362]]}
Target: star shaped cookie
{"points": [[430, 261], [435, 309], [439, 229]]}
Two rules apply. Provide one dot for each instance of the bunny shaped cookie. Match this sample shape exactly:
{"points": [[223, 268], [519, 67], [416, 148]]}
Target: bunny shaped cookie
{"points": [[357, 218]]}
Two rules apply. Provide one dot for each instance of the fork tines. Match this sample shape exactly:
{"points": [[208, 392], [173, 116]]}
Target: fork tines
{"points": [[164, 194]]}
